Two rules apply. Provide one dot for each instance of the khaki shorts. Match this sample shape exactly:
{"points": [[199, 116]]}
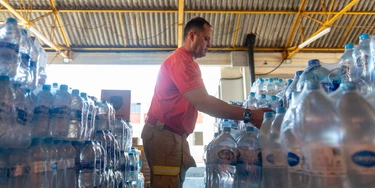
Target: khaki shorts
{"points": [[168, 156]]}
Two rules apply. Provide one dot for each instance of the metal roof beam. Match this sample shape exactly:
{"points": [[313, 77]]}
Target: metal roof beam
{"points": [[32, 29], [328, 23], [297, 20], [236, 30], [180, 29], [122, 28], [347, 31], [62, 30]]}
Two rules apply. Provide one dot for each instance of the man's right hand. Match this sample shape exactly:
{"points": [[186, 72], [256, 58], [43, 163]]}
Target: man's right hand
{"points": [[257, 116]]}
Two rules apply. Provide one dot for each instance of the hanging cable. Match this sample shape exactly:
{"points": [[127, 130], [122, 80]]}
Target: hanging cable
{"points": [[269, 72]]}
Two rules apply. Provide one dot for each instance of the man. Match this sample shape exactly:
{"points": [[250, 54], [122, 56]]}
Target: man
{"points": [[179, 94]]}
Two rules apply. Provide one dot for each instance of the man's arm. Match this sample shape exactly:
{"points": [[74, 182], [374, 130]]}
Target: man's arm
{"points": [[220, 109]]}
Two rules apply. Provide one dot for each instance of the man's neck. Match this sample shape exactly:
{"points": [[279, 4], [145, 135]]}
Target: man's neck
{"points": [[188, 49]]}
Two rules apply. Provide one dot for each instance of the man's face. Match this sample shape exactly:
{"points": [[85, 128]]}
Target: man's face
{"points": [[202, 41]]}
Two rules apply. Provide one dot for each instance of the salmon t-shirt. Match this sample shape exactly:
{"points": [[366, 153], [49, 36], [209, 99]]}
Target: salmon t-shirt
{"points": [[178, 74]]}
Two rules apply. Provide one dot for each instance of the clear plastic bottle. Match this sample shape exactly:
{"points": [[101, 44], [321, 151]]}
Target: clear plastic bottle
{"points": [[359, 136], [78, 146], [280, 170], [70, 172], [85, 117], [101, 138], [102, 122], [43, 104], [61, 157], [76, 128], [262, 102], [267, 155], [347, 67], [361, 55], [98, 163], [292, 87], [87, 172], [251, 102], [38, 164], [120, 129], [18, 168], [60, 113], [279, 86], [7, 99], [34, 65], [319, 130], [313, 71], [209, 160], [133, 167], [273, 102], [23, 76], [52, 162], [10, 43], [55, 88], [224, 156], [129, 135], [249, 162]]}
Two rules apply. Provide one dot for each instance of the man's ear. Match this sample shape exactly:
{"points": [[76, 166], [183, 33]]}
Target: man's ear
{"points": [[191, 35]]}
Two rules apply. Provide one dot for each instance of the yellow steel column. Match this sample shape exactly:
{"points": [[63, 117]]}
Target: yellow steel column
{"points": [[180, 30], [328, 23], [62, 30], [236, 30], [31, 27], [301, 7]]}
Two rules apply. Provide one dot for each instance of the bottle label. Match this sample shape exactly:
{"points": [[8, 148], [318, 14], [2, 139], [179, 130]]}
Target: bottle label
{"points": [[98, 164], [38, 166], [324, 161], [70, 163], [64, 110], [279, 157], [362, 159], [41, 110], [53, 166], [16, 170], [225, 156], [249, 156], [344, 69], [89, 117], [295, 160], [76, 114], [88, 166], [5, 108], [11, 46], [21, 116], [267, 159]]}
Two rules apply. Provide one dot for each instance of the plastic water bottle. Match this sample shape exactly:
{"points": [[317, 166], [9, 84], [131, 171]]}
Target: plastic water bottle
{"points": [[262, 102], [34, 65], [78, 146], [54, 88], [102, 121], [347, 67], [120, 129], [280, 170], [98, 163], [60, 112], [76, 124], [10, 43], [271, 87], [110, 149], [23, 76], [133, 167], [43, 104], [4, 169], [249, 162], [361, 56], [267, 155], [313, 71], [38, 165], [61, 163], [224, 156], [358, 122], [87, 166], [20, 133], [85, 116], [319, 129], [18, 168], [292, 87], [279, 86], [7, 98], [70, 173], [52, 162], [273, 102], [251, 102], [260, 89]]}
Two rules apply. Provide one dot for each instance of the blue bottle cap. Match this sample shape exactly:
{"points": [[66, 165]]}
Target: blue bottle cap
{"points": [[252, 94], [268, 114], [250, 129], [349, 46], [46, 87], [273, 97], [24, 32], [83, 94], [364, 36], [11, 20], [281, 80], [263, 96], [99, 132], [64, 87], [75, 92], [313, 62], [298, 73], [4, 78], [55, 84], [88, 142], [280, 110]]}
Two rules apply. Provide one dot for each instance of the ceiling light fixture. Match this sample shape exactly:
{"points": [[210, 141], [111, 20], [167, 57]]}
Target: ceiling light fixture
{"points": [[314, 38]]}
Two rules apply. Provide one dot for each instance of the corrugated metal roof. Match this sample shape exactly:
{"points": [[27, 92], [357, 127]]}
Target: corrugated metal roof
{"points": [[118, 24]]}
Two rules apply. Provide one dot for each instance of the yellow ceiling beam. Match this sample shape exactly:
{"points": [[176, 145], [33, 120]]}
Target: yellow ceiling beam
{"points": [[236, 30], [180, 29], [210, 49], [122, 28], [347, 31], [62, 30], [30, 26], [328, 23], [296, 22], [313, 19]]}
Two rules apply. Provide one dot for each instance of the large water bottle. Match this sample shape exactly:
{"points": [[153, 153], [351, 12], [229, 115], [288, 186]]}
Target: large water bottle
{"points": [[101, 138], [52, 163], [359, 136], [87, 172], [23, 72], [43, 104], [224, 156], [249, 162], [280, 170], [85, 115], [18, 168], [9, 47], [34, 65], [120, 129], [209, 160], [133, 167], [19, 133], [102, 121], [60, 120], [110, 149], [61, 163], [313, 71], [7, 98], [78, 146], [129, 137], [292, 87], [38, 165], [98, 163], [4, 179], [251, 102], [76, 128], [319, 129], [70, 173], [267, 155], [347, 67], [291, 145], [361, 55]]}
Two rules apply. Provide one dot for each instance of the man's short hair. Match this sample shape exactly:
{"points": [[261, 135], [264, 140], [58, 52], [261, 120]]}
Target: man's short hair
{"points": [[195, 23]]}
